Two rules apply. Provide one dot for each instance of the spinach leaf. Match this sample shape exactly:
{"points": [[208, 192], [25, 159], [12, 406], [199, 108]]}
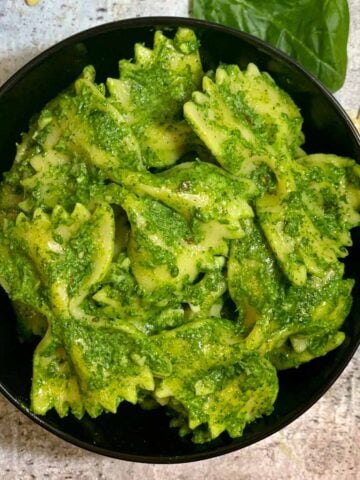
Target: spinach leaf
{"points": [[313, 32]]}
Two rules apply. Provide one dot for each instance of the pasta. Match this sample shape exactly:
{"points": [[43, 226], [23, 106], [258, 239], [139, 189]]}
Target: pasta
{"points": [[171, 244]]}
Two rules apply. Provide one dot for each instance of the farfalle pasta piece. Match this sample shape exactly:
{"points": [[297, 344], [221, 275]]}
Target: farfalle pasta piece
{"points": [[215, 384], [243, 117], [171, 70]]}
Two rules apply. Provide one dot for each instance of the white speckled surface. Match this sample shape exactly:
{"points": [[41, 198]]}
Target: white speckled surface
{"points": [[323, 444]]}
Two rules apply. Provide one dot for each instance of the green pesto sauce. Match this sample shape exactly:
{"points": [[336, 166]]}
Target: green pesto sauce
{"points": [[126, 254]]}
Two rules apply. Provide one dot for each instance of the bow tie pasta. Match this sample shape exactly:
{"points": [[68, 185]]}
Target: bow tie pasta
{"points": [[171, 244]]}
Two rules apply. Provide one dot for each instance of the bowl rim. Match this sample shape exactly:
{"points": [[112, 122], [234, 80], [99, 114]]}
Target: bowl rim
{"points": [[175, 22]]}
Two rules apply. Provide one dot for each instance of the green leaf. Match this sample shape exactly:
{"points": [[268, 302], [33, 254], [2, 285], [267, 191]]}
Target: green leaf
{"points": [[313, 32]]}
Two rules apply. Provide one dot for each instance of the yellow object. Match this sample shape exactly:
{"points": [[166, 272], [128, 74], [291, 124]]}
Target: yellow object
{"points": [[31, 3], [356, 119]]}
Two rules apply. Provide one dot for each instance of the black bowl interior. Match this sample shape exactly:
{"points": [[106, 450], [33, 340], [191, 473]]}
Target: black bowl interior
{"points": [[134, 434]]}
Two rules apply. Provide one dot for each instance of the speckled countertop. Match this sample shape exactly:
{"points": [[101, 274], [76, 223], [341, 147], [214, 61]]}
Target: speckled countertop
{"points": [[322, 444]]}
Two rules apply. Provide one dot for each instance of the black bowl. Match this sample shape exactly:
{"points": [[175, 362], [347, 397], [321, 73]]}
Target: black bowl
{"points": [[134, 434]]}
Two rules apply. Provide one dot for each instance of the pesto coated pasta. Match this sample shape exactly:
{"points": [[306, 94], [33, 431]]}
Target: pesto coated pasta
{"points": [[169, 243]]}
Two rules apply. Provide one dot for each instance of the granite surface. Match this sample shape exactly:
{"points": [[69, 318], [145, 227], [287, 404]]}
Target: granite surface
{"points": [[322, 444]]}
